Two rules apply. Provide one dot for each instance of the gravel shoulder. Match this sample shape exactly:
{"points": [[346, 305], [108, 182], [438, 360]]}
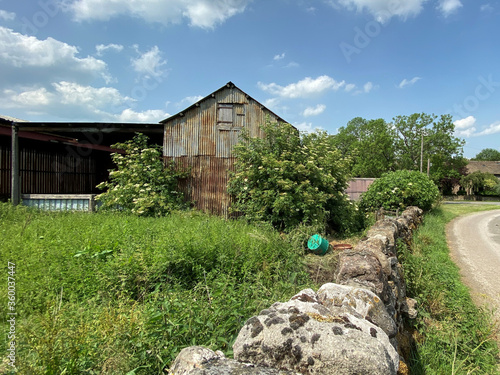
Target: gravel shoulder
{"points": [[474, 242]]}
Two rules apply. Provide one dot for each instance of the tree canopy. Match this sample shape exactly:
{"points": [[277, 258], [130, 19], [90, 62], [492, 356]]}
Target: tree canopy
{"points": [[377, 147], [488, 154], [370, 143]]}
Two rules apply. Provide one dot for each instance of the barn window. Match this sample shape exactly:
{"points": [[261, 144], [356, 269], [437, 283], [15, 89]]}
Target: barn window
{"points": [[230, 116], [225, 113]]}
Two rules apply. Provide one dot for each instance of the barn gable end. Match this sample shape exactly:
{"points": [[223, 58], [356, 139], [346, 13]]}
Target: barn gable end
{"points": [[202, 138]]}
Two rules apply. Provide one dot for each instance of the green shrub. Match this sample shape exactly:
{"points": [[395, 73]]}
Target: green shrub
{"points": [[142, 184], [287, 178], [400, 189]]}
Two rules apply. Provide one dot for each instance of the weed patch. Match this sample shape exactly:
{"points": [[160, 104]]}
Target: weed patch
{"points": [[112, 293]]}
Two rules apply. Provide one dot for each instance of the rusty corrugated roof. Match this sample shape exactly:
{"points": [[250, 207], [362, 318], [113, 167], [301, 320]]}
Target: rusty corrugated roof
{"points": [[209, 96]]}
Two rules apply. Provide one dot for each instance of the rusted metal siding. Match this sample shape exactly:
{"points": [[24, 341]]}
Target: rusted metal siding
{"points": [[5, 174], [206, 186], [358, 186], [201, 131], [203, 138], [51, 169]]}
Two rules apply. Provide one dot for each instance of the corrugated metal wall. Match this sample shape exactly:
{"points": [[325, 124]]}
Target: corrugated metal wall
{"points": [[5, 177], [49, 169], [197, 140], [206, 186]]}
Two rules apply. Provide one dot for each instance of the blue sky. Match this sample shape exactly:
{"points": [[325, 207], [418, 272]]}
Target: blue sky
{"points": [[316, 63]]}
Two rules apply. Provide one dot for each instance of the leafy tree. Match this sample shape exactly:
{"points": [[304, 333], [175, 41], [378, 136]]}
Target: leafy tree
{"points": [[400, 189], [287, 178], [477, 182], [488, 154], [441, 147], [370, 143], [141, 184]]}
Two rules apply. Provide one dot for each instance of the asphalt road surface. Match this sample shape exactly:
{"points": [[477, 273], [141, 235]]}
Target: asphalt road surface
{"points": [[474, 241]]}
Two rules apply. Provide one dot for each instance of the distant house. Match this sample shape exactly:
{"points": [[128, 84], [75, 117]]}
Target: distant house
{"points": [[202, 138], [492, 167]]}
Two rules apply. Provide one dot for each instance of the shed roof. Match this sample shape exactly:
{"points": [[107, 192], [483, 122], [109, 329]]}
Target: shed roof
{"points": [[8, 119], [209, 96], [492, 167]]}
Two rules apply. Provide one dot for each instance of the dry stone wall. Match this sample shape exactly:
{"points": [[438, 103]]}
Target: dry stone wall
{"points": [[353, 325]]}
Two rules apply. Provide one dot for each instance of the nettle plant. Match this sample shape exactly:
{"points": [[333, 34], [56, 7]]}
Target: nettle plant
{"points": [[141, 184], [400, 189], [288, 178]]}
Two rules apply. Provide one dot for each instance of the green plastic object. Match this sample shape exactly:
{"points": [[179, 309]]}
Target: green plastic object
{"points": [[318, 244]]}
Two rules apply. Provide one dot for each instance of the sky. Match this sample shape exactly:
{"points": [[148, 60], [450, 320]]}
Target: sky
{"points": [[316, 63]]}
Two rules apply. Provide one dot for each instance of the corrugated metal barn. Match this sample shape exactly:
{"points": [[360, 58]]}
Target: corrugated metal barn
{"points": [[202, 138]]}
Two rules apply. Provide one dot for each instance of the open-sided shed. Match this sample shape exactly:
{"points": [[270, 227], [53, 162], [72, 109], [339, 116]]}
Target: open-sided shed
{"points": [[60, 158], [202, 138]]}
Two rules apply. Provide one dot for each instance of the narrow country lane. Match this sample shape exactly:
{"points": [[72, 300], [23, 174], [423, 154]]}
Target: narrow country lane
{"points": [[474, 241]]}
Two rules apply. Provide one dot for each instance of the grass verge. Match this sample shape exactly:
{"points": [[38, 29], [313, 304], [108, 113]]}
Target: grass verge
{"points": [[118, 294], [454, 336]]}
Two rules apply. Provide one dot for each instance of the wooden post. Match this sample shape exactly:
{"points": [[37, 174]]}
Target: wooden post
{"points": [[15, 189], [421, 152]]}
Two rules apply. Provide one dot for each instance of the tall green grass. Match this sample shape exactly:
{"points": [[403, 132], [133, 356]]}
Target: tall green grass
{"points": [[453, 336], [117, 294]]}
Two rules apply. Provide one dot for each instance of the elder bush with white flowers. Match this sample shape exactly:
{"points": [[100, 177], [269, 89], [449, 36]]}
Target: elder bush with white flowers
{"points": [[141, 184], [288, 179], [400, 189]]}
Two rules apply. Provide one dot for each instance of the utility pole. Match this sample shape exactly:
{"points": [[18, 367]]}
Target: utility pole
{"points": [[422, 152]]}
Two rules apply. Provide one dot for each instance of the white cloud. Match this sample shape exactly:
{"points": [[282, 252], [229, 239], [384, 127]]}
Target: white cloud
{"points": [[492, 129], [405, 82], [101, 48], [201, 13], [73, 93], [279, 57], [465, 123], [22, 55], [465, 127], [382, 10], [150, 63], [189, 100], [70, 100], [292, 64], [30, 97], [7, 16], [306, 87], [349, 87], [447, 7], [314, 111], [306, 127], [271, 103], [368, 86], [487, 8], [151, 116]]}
